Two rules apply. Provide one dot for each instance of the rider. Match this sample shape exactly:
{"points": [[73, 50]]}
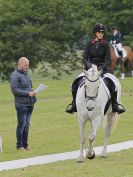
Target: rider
{"points": [[97, 52], [116, 39]]}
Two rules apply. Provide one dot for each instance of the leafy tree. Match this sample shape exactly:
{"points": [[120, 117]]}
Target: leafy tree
{"points": [[47, 32], [44, 31]]}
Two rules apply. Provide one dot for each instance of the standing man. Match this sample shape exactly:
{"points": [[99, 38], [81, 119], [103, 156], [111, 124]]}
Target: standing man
{"points": [[116, 39], [21, 87]]}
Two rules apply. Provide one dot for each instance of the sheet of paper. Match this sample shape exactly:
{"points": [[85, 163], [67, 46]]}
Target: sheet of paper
{"points": [[40, 88]]}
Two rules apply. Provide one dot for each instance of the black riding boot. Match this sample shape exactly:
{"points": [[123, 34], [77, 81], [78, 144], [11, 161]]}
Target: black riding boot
{"points": [[121, 54], [71, 108], [116, 107]]}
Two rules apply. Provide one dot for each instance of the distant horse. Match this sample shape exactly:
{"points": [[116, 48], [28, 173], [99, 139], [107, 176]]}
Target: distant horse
{"points": [[91, 101], [127, 59]]}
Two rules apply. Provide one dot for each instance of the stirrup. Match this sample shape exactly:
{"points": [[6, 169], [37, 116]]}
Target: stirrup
{"points": [[121, 110], [69, 109], [118, 109]]}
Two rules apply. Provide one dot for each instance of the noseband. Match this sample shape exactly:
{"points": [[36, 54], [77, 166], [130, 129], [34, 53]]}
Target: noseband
{"points": [[91, 97]]}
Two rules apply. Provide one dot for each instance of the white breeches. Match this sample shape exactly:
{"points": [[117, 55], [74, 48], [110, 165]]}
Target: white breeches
{"points": [[119, 46]]}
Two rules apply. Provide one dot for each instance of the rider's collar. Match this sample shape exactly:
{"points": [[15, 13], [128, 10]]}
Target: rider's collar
{"points": [[100, 41]]}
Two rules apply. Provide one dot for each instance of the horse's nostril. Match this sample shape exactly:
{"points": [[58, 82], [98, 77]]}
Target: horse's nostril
{"points": [[90, 109]]}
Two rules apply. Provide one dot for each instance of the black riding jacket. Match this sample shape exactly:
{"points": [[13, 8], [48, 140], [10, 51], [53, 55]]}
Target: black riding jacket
{"points": [[98, 53], [117, 37]]}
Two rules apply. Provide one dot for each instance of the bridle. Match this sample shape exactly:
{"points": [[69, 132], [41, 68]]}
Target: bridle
{"points": [[87, 97]]}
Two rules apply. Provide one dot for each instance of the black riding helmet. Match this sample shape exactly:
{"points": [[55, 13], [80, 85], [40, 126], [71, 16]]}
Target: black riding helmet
{"points": [[114, 28], [99, 28]]}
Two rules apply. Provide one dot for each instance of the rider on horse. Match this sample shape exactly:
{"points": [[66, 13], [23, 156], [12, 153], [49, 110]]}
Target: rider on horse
{"points": [[116, 39], [97, 52]]}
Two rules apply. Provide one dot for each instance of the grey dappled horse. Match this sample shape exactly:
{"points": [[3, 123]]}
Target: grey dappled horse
{"points": [[91, 100]]}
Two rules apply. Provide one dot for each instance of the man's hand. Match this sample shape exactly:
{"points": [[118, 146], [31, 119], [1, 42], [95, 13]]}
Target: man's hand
{"points": [[32, 94]]}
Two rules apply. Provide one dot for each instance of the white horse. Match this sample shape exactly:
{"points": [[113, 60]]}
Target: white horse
{"points": [[91, 100]]}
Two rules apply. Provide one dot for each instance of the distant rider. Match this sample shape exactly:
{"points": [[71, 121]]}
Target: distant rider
{"points": [[116, 39]]}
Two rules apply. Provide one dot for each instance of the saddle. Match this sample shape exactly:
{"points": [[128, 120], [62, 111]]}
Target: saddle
{"points": [[124, 53]]}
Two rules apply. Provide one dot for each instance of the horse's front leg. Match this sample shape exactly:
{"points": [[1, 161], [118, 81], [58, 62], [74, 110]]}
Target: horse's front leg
{"points": [[82, 141], [90, 154], [112, 67], [110, 121]]}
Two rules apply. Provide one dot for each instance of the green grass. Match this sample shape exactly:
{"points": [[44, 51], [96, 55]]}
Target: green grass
{"points": [[116, 165], [54, 131]]}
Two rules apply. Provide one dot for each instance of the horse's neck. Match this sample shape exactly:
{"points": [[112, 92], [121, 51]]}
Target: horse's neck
{"points": [[80, 97]]}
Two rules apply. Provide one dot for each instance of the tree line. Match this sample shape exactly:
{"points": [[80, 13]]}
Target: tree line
{"points": [[50, 32]]}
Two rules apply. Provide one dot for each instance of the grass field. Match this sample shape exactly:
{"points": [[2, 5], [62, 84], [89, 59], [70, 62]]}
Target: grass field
{"points": [[54, 131]]}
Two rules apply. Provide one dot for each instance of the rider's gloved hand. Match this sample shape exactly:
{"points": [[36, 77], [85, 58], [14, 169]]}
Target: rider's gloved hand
{"points": [[100, 68], [114, 42], [88, 65]]}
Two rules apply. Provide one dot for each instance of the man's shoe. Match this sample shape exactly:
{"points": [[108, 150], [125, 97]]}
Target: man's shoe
{"points": [[20, 149], [28, 148], [118, 108], [70, 109]]}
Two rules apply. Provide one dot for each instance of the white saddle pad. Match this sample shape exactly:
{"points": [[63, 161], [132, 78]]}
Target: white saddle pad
{"points": [[115, 81]]}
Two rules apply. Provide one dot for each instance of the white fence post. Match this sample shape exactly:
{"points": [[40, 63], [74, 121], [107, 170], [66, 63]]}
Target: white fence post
{"points": [[1, 144]]}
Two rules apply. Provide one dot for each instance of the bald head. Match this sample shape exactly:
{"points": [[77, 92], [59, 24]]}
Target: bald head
{"points": [[23, 64]]}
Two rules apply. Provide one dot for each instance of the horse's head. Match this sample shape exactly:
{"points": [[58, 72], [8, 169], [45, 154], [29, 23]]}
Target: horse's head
{"points": [[91, 87]]}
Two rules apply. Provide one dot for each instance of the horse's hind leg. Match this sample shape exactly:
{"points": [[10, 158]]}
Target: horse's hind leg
{"points": [[122, 63], [131, 66], [82, 140], [110, 121]]}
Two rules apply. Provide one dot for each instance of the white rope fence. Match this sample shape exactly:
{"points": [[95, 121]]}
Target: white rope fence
{"points": [[40, 160]]}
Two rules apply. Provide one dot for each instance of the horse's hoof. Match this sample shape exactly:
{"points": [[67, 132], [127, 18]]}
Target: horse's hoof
{"points": [[104, 154], [80, 159], [90, 156]]}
